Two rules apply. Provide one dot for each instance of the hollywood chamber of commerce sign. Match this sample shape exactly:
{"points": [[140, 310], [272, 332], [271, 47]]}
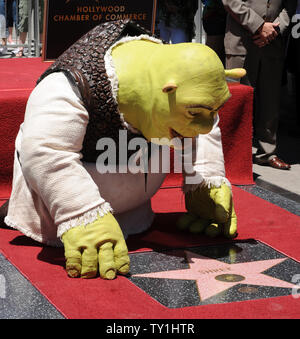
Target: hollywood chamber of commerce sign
{"points": [[66, 21]]}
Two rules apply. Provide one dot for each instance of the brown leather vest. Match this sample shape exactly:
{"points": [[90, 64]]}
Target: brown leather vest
{"points": [[83, 64]]}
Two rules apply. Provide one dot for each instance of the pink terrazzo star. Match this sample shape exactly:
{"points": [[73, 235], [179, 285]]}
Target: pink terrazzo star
{"points": [[209, 274]]}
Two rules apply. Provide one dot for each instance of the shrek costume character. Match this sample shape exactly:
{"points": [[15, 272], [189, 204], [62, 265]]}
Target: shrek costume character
{"points": [[117, 78]]}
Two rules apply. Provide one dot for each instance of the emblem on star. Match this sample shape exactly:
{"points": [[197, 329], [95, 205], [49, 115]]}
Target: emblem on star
{"points": [[213, 276]]}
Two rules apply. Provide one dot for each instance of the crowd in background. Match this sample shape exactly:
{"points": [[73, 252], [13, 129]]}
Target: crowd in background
{"points": [[253, 35], [15, 15]]}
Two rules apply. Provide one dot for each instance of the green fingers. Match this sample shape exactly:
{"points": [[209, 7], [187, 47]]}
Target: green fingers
{"points": [[230, 227], [89, 261], [185, 220], [107, 267], [121, 257], [96, 247], [198, 226], [73, 263], [210, 211], [109, 260], [213, 230], [223, 203], [195, 225]]}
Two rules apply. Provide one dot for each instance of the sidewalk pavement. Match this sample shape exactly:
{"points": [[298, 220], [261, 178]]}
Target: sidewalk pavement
{"points": [[285, 183]]}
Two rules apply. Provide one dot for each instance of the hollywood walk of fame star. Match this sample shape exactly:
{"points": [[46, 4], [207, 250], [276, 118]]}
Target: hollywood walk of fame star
{"points": [[213, 276]]}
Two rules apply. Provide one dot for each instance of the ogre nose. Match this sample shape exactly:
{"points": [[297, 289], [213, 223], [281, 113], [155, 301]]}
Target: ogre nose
{"points": [[204, 122]]}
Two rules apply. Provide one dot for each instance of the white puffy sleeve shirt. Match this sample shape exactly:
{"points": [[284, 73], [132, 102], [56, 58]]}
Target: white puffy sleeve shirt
{"points": [[53, 190]]}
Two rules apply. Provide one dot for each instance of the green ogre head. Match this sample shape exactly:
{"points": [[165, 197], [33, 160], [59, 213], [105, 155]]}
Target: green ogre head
{"points": [[168, 91]]}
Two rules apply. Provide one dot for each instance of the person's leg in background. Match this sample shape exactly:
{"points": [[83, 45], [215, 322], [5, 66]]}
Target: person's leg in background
{"points": [[297, 67], [178, 35], [264, 75], [3, 31], [297, 79], [11, 19], [171, 34], [22, 27], [164, 31], [41, 19], [267, 110], [216, 42]]}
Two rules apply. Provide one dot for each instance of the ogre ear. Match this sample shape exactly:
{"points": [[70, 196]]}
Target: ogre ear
{"points": [[169, 88], [235, 73]]}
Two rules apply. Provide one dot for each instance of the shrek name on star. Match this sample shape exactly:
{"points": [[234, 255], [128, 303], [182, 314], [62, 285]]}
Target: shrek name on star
{"points": [[118, 77]]}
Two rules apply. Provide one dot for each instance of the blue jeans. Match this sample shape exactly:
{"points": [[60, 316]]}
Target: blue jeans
{"points": [[2, 7], [173, 34], [11, 18]]}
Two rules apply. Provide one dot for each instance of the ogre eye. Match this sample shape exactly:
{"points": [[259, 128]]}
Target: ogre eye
{"points": [[193, 114]]}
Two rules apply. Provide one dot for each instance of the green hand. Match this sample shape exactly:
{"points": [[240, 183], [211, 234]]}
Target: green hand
{"points": [[100, 243], [210, 210]]}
